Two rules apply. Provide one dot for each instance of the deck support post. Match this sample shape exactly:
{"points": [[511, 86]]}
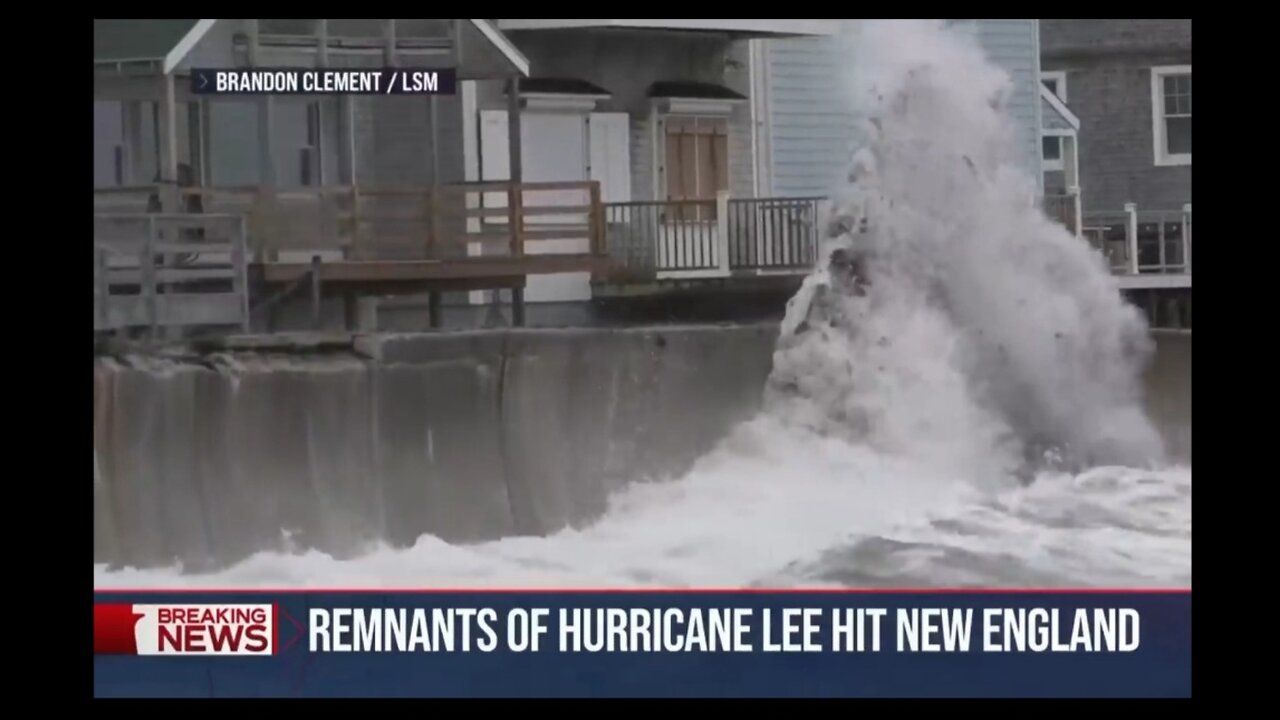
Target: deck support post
{"points": [[1131, 235], [315, 293], [351, 311], [433, 309], [517, 306], [516, 153]]}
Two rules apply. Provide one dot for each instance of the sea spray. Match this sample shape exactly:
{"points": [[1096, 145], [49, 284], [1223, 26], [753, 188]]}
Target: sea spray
{"points": [[990, 335]]}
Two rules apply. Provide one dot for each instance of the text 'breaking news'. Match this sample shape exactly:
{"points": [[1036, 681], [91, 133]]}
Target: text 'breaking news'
{"points": [[324, 81]]}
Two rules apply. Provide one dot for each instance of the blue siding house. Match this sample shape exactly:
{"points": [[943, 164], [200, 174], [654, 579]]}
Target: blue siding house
{"points": [[806, 123]]}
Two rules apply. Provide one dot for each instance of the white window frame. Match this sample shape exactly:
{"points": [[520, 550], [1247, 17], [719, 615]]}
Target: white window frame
{"points": [[1060, 77], [1162, 157], [1060, 91]]}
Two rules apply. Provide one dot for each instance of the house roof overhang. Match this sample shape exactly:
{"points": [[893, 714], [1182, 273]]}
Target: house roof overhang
{"points": [[745, 28], [130, 47]]}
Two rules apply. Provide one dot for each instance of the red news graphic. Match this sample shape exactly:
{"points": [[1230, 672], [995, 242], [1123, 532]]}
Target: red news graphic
{"points": [[177, 629]]}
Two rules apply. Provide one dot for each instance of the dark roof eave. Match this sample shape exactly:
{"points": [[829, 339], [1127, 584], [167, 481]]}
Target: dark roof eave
{"points": [[686, 90]]}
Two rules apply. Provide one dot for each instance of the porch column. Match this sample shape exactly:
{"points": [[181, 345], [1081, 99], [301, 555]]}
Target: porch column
{"points": [[266, 160], [196, 114], [167, 130], [133, 143]]}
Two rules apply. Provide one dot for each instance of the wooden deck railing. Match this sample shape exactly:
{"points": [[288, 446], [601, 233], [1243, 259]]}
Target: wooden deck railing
{"points": [[164, 270], [393, 223], [643, 240]]}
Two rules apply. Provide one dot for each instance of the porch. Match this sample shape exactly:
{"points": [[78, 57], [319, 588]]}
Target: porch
{"points": [[1147, 248], [307, 181]]}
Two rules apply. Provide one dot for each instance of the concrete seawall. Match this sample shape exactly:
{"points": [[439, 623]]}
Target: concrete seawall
{"points": [[206, 456], [467, 436]]}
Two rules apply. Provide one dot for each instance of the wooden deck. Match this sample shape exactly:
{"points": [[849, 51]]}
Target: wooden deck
{"points": [[478, 269], [352, 241]]}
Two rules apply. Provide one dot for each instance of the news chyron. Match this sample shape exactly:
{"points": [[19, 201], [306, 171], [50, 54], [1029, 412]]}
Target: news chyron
{"points": [[185, 629], [324, 81]]}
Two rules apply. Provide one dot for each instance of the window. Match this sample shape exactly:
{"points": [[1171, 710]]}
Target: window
{"points": [[1051, 152], [1056, 81], [697, 162], [1171, 114]]}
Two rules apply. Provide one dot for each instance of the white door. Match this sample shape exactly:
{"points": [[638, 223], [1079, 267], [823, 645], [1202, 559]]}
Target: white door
{"points": [[557, 147], [609, 135]]}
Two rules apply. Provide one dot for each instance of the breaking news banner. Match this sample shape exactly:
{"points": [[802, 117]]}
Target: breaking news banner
{"points": [[324, 81], [896, 644]]}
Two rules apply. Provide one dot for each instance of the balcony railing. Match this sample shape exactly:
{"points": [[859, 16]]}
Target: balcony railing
{"points": [[354, 223], [625, 242], [1142, 242], [686, 239]]}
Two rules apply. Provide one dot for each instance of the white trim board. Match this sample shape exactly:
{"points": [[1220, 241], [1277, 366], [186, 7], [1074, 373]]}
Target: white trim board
{"points": [[1059, 107], [560, 102], [500, 41], [776, 28], [1153, 281], [697, 106], [1162, 158], [186, 44]]}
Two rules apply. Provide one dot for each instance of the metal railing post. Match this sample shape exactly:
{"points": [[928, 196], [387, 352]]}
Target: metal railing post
{"points": [[1131, 235], [722, 231], [147, 266], [315, 292], [1186, 237], [240, 281], [102, 288], [1079, 211]]}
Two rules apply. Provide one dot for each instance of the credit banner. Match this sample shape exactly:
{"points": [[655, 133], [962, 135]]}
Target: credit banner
{"points": [[324, 81], [902, 644]]}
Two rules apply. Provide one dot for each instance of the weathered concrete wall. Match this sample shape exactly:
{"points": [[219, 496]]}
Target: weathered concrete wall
{"points": [[468, 436]]}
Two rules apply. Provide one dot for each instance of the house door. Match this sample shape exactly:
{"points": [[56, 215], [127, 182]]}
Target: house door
{"points": [[557, 147]]}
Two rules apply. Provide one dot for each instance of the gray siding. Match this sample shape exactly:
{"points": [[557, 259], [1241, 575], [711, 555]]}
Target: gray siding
{"points": [[811, 119], [393, 140], [392, 135], [625, 64], [1108, 65]]}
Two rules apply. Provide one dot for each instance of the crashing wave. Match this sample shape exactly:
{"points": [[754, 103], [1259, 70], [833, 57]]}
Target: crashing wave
{"points": [[950, 317]]}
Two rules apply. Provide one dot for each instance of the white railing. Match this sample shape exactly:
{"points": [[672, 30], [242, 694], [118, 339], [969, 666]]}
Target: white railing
{"points": [[713, 238], [1142, 242]]}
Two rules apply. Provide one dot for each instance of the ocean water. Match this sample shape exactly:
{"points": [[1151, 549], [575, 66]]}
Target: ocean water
{"points": [[977, 420]]}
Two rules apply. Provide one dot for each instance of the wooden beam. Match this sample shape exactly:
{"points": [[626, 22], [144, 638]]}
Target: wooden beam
{"points": [[492, 266]]}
